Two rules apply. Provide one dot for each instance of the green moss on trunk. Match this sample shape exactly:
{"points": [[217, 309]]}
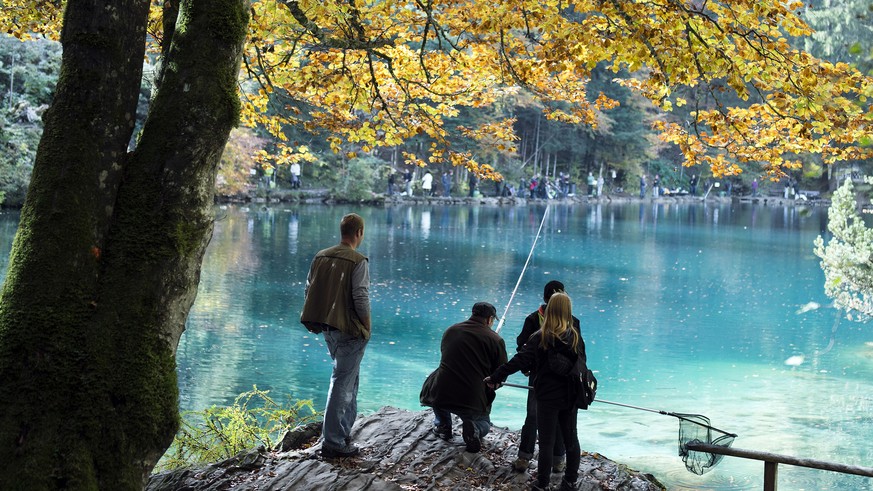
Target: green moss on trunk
{"points": [[107, 258]]}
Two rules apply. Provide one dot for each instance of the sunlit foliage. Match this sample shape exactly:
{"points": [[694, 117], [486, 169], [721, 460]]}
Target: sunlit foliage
{"points": [[377, 73], [218, 433]]}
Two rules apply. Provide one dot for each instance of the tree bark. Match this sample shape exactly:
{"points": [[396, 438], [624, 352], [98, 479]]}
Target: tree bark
{"points": [[106, 261]]}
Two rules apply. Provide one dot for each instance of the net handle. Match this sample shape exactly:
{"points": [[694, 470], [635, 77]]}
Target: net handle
{"points": [[656, 411]]}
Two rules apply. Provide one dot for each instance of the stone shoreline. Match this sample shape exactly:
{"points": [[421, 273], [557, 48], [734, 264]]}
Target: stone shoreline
{"points": [[398, 452]]}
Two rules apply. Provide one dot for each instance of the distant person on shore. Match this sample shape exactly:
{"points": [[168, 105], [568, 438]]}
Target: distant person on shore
{"points": [[407, 176], [295, 175], [599, 185], [392, 178], [642, 186], [533, 323], [427, 183], [542, 188], [656, 186], [470, 351], [693, 184], [755, 187], [557, 354], [337, 304], [472, 180], [447, 184], [591, 184]]}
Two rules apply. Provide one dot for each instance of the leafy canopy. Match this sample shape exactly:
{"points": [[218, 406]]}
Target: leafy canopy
{"points": [[377, 73]]}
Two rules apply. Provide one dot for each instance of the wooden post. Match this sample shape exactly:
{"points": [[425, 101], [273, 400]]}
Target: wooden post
{"points": [[771, 472]]}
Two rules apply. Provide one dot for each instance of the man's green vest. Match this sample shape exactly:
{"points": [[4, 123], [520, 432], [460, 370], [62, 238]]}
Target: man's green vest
{"points": [[329, 299]]}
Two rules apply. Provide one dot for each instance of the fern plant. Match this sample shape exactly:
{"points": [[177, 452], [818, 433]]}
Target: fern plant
{"points": [[218, 433]]}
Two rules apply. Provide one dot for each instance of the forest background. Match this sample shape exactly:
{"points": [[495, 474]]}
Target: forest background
{"points": [[623, 146]]}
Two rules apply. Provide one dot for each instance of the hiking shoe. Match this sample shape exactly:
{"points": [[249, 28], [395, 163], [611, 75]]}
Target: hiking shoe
{"points": [[470, 438], [339, 453], [520, 464], [443, 432], [567, 486], [559, 465]]}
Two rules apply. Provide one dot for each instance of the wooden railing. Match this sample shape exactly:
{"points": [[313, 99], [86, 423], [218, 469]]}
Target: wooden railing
{"points": [[772, 460]]}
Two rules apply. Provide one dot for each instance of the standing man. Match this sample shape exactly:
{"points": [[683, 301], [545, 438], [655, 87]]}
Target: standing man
{"points": [[427, 184], [295, 175], [338, 305], [642, 186], [472, 180], [447, 184], [391, 181], [532, 324], [470, 351], [407, 176]]}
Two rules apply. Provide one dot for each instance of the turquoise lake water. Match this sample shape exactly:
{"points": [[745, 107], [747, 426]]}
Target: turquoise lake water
{"points": [[716, 310]]}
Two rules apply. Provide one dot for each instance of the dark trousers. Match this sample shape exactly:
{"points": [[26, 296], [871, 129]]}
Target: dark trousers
{"points": [[551, 421], [481, 422], [529, 433]]}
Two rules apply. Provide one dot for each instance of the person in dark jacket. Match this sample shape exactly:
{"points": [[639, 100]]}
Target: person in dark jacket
{"points": [[470, 351], [532, 323], [556, 354]]}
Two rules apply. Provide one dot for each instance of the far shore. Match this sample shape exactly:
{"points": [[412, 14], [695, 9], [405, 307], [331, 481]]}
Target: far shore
{"points": [[321, 196]]}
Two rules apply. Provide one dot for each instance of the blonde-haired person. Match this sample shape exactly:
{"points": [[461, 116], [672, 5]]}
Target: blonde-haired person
{"points": [[556, 353]]}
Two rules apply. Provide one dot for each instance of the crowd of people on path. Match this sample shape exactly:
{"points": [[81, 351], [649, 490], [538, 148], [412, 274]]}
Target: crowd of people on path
{"points": [[408, 182], [473, 365], [789, 187]]}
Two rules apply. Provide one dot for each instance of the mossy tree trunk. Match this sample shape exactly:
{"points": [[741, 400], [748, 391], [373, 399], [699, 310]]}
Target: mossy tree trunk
{"points": [[106, 261]]}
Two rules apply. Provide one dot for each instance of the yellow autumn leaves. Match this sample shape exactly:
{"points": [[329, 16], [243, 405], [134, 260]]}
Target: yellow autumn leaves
{"points": [[377, 73]]}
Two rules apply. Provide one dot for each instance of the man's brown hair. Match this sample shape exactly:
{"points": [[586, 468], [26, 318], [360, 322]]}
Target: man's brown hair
{"points": [[350, 225]]}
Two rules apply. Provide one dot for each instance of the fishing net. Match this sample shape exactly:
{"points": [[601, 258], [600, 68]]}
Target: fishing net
{"points": [[694, 428]]}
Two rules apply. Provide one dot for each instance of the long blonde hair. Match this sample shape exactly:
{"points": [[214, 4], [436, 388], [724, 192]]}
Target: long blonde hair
{"points": [[558, 320]]}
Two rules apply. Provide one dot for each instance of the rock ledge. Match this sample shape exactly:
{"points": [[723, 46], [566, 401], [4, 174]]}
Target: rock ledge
{"points": [[398, 452]]}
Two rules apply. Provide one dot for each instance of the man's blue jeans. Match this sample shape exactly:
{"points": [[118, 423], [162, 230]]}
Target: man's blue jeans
{"points": [[481, 423], [346, 351]]}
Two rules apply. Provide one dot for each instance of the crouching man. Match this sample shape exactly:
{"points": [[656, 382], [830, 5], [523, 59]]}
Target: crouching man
{"points": [[470, 351]]}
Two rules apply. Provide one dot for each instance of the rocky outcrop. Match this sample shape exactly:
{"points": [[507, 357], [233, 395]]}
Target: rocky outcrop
{"points": [[398, 452]]}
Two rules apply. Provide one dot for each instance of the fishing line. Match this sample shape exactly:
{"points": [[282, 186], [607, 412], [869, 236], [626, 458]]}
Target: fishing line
{"points": [[520, 276]]}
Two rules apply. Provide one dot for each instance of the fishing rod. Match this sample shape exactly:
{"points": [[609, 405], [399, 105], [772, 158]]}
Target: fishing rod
{"points": [[520, 276]]}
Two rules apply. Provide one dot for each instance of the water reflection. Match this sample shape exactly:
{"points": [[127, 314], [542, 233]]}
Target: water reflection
{"points": [[686, 308]]}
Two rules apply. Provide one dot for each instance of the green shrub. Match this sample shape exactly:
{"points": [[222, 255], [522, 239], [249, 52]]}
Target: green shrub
{"points": [[218, 433], [355, 178]]}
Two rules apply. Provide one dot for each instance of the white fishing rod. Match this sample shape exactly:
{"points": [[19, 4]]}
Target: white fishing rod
{"points": [[520, 276]]}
